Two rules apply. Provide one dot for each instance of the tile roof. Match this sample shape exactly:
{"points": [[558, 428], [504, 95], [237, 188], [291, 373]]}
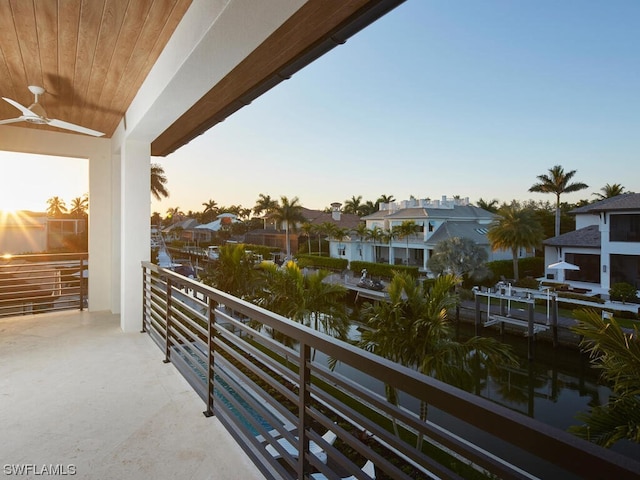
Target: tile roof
{"points": [[472, 230], [626, 201], [584, 237], [316, 217], [458, 211]]}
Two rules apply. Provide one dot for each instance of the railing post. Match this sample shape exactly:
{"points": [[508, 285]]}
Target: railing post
{"points": [[167, 331], [81, 284], [304, 400], [145, 310], [211, 358]]}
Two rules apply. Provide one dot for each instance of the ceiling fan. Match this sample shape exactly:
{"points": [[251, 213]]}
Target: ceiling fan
{"points": [[36, 114]]}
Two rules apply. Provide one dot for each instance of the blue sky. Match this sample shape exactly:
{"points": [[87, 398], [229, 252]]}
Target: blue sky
{"points": [[469, 98], [437, 98]]}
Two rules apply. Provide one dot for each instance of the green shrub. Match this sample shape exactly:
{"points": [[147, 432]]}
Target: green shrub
{"points": [[579, 296], [623, 292], [530, 283], [527, 267], [381, 269], [328, 263]]}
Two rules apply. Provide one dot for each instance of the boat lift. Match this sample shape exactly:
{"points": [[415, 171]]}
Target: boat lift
{"points": [[502, 314]]}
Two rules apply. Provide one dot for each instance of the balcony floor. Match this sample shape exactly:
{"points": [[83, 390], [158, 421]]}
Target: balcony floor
{"points": [[75, 389]]}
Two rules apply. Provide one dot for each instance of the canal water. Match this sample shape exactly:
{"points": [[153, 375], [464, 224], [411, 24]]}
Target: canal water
{"points": [[552, 388]]}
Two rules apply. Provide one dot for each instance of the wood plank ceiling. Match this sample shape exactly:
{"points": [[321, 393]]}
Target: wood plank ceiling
{"points": [[91, 56]]}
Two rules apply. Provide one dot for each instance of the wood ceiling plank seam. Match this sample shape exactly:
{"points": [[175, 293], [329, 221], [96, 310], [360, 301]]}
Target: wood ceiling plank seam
{"points": [[68, 27], [10, 61], [47, 31], [25, 25], [111, 28], [113, 104], [172, 20], [148, 40], [91, 14]]}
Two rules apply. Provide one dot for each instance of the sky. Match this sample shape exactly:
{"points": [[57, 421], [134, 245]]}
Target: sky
{"points": [[437, 98]]}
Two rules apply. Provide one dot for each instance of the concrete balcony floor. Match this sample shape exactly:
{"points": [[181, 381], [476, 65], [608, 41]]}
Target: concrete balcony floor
{"points": [[76, 390]]}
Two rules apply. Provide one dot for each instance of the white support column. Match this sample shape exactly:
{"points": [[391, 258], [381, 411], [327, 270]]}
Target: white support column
{"points": [[101, 261], [135, 231]]}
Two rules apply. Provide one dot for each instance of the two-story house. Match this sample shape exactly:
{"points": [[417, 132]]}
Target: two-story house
{"points": [[435, 220], [605, 245]]}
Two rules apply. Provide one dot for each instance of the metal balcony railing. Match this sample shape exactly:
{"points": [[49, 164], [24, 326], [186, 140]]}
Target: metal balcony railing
{"points": [[266, 379], [42, 283]]}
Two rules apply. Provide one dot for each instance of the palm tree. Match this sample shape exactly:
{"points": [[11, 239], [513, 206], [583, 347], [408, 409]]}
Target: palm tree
{"points": [[234, 271], [375, 234], [557, 182], [56, 207], [339, 234], [79, 206], [459, 256], [362, 232], [609, 191], [265, 205], [210, 210], [617, 354], [308, 228], [385, 199], [389, 236], [488, 205], [413, 329], [158, 182], [368, 208], [405, 230], [515, 228], [289, 212], [353, 205], [174, 214]]}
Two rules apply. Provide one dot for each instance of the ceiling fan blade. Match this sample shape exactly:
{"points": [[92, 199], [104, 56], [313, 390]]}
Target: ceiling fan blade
{"points": [[12, 120], [74, 127], [22, 108]]}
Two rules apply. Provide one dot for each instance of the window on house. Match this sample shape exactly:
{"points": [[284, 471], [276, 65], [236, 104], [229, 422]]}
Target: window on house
{"points": [[341, 251], [625, 228]]}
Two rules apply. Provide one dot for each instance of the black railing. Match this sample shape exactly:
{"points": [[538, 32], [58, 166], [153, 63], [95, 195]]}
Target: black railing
{"points": [[266, 379], [42, 283]]}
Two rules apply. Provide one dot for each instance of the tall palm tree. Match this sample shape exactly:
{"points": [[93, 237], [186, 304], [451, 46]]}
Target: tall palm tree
{"points": [[405, 230], [158, 182], [79, 206], [375, 234], [557, 182], [56, 207], [609, 191], [413, 329], [174, 214], [289, 212], [515, 228], [362, 232], [385, 199], [353, 205], [210, 210], [265, 205], [308, 228], [617, 354], [234, 271]]}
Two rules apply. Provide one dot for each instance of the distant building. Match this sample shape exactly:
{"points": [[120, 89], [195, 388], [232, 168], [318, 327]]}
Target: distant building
{"points": [[436, 220], [33, 232], [605, 245]]}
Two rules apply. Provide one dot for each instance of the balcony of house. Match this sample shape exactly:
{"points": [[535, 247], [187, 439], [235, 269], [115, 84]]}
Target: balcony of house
{"points": [[80, 398], [80, 395], [268, 380]]}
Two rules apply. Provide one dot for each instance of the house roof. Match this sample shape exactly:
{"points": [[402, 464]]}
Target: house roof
{"points": [[626, 201], [187, 224], [317, 217], [413, 213], [472, 230], [583, 237]]}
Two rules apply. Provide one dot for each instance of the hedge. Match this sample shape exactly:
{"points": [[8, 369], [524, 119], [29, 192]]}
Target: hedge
{"points": [[381, 269], [337, 264], [527, 267]]}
